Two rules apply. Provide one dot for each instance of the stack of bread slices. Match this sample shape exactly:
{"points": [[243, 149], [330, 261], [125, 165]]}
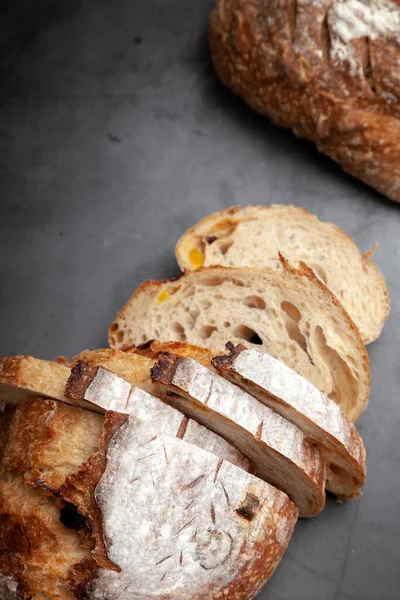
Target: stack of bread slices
{"points": [[176, 463]]}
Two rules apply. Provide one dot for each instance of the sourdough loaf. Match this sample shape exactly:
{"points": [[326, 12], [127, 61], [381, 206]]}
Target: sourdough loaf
{"points": [[299, 401], [327, 70], [223, 239], [279, 451], [291, 315], [90, 537]]}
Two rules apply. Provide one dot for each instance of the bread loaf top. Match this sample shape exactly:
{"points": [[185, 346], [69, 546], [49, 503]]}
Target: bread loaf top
{"points": [[328, 70]]}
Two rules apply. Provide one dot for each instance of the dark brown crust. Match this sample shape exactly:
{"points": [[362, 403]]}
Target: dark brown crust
{"points": [[82, 375], [79, 489], [283, 70], [223, 362], [164, 368]]}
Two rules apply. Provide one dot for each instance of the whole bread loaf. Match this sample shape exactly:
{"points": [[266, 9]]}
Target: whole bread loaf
{"points": [[223, 238], [328, 70]]}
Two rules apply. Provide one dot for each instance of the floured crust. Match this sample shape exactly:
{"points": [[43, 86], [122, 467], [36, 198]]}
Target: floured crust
{"points": [[221, 239], [280, 452], [326, 70], [297, 400], [224, 532], [211, 305], [93, 383]]}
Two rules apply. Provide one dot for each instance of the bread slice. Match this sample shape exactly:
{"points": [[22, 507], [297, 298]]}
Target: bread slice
{"points": [[299, 401], [223, 238], [99, 386], [181, 524], [279, 451], [53, 544], [290, 315], [109, 392]]}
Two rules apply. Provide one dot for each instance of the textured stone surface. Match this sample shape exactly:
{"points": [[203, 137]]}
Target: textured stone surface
{"points": [[115, 136]]}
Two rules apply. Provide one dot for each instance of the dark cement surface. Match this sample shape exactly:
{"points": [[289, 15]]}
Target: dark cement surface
{"points": [[115, 136]]}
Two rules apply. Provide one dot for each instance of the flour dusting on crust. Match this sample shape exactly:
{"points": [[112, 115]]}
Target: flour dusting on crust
{"points": [[171, 520]]}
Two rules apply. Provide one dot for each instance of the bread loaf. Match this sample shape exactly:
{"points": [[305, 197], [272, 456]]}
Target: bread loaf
{"points": [[326, 70], [223, 239], [298, 401], [279, 451], [93, 533], [290, 314]]}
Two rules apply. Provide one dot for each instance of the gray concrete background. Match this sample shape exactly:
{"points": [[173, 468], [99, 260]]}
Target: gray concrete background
{"points": [[115, 136]]}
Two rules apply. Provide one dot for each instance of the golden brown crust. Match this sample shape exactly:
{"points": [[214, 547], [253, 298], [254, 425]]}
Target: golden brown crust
{"points": [[281, 60], [154, 348]]}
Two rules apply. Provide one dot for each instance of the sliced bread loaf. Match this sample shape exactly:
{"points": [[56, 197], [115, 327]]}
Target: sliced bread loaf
{"points": [[254, 236], [98, 385], [301, 403], [291, 315], [95, 388], [145, 512], [279, 451]]}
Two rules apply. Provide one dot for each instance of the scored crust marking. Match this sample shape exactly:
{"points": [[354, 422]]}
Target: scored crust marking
{"points": [[228, 501], [212, 512], [219, 465], [163, 559], [165, 454], [193, 483], [184, 526], [149, 441]]}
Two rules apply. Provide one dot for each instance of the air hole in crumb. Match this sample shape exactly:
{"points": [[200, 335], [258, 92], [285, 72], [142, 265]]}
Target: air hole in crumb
{"points": [[120, 336], [336, 470], [114, 327], [254, 302], [205, 304], [71, 517], [206, 331], [211, 281], [227, 324], [249, 335], [179, 332], [237, 282], [291, 310]]}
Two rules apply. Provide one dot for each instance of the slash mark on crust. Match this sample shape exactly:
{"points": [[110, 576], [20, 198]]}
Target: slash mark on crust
{"points": [[184, 526], [219, 465], [193, 483], [259, 431], [226, 496], [163, 559]]}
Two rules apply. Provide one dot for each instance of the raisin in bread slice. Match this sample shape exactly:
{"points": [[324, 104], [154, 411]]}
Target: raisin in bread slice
{"points": [[223, 238], [279, 451], [291, 315], [301, 403]]}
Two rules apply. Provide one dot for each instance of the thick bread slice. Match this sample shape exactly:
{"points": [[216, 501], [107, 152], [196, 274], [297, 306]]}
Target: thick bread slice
{"points": [[27, 376], [299, 401], [223, 238], [279, 451], [290, 315], [182, 524], [100, 386]]}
